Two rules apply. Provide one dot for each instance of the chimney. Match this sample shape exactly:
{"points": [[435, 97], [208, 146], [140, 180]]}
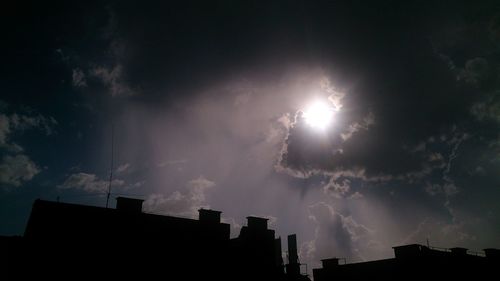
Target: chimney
{"points": [[257, 223], [277, 253], [209, 216], [293, 258], [130, 205], [330, 263], [293, 266]]}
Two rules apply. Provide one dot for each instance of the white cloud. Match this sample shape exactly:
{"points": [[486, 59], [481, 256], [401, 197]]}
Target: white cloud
{"points": [[335, 97], [14, 170], [180, 203], [89, 183]]}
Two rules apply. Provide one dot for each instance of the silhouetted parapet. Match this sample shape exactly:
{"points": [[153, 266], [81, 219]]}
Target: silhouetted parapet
{"points": [[458, 251], [492, 254], [60, 237], [131, 205], [209, 216], [330, 263], [415, 262], [409, 251]]}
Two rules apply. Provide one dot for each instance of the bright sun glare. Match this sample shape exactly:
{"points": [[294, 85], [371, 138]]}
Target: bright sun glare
{"points": [[318, 115]]}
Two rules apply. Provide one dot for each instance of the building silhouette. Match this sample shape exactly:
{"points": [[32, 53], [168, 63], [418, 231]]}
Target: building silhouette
{"points": [[416, 262], [69, 241], [66, 241]]}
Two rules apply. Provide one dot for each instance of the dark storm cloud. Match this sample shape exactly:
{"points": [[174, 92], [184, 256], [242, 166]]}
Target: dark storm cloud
{"points": [[410, 97], [416, 119], [409, 100], [218, 89]]}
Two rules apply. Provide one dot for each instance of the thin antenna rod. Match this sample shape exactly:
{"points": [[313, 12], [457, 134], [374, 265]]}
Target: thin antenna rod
{"points": [[111, 170]]}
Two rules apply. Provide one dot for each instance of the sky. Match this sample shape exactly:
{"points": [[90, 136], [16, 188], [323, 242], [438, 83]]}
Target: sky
{"points": [[208, 105]]}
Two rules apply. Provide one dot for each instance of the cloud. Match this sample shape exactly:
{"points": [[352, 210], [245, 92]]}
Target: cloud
{"points": [[235, 227], [336, 235], [344, 154], [14, 170], [122, 168], [242, 99], [4, 128], [78, 78], [89, 183], [394, 96], [184, 203], [23, 122], [488, 109], [172, 162], [337, 188], [364, 124], [442, 233], [475, 71], [448, 189], [112, 78], [17, 167]]}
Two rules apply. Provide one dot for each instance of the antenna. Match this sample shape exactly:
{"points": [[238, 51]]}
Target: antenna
{"points": [[111, 170]]}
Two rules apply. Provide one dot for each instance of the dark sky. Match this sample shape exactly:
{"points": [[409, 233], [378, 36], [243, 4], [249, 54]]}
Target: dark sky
{"points": [[208, 103]]}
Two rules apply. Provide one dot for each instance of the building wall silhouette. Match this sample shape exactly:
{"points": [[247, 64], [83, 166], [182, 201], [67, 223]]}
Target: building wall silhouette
{"points": [[77, 241], [416, 262], [69, 241]]}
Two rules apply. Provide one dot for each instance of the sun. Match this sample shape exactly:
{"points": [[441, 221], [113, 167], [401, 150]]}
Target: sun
{"points": [[318, 115]]}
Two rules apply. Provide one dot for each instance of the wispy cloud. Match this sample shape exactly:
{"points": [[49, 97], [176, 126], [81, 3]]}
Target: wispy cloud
{"points": [[89, 183], [185, 202], [78, 78], [16, 167]]}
